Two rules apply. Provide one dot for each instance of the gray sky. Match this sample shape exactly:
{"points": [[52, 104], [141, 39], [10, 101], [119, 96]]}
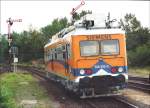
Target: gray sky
{"points": [[41, 13]]}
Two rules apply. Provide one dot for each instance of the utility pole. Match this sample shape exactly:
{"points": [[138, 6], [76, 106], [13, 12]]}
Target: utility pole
{"points": [[11, 51]]}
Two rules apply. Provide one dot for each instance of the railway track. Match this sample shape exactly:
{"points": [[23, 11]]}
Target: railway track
{"points": [[139, 84], [134, 82], [147, 80], [111, 102], [4, 68], [117, 103]]}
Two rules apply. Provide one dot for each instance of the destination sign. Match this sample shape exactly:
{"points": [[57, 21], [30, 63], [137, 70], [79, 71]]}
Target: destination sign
{"points": [[99, 37]]}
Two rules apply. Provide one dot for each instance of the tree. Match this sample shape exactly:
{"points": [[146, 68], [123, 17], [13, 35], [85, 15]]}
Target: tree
{"points": [[139, 56], [31, 43], [56, 26], [3, 49], [130, 23], [138, 41]]}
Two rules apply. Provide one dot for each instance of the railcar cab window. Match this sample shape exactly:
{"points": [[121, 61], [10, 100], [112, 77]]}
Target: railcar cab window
{"points": [[89, 48], [109, 47]]}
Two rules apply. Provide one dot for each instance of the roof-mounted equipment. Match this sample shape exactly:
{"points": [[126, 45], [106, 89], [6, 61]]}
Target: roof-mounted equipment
{"points": [[109, 22], [88, 23]]}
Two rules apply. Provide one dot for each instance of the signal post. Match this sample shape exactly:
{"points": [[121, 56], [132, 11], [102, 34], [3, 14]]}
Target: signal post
{"points": [[12, 50]]}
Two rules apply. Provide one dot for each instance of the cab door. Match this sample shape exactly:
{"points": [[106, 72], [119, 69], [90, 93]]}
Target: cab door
{"points": [[67, 56]]}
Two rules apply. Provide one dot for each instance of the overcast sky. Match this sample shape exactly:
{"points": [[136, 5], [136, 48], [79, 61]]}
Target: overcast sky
{"points": [[41, 13]]}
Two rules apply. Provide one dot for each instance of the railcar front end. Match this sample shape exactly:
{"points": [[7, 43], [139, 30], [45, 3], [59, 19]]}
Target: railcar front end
{"points": [[100, 64]]}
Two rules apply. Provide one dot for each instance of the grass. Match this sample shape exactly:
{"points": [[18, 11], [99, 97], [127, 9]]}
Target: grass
{"points": [[16, 87], [137, 71]]}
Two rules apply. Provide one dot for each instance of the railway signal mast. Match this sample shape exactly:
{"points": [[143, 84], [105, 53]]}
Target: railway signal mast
{"points": [[10, 23], [12, 50]]}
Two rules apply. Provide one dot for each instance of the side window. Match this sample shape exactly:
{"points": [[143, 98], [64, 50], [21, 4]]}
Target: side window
{"points": [[49, 54], [61, 51], [55, 54], [63, 48], [64, 55]]}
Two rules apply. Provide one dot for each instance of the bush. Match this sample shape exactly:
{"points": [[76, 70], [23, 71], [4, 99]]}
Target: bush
{"points": [[140, 56]]}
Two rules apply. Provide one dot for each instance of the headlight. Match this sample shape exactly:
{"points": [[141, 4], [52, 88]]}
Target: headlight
{"points": [[82, 72], [120, 69]]}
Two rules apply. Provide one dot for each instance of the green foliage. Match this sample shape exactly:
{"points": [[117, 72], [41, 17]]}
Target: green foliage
{"points": [[3, 49], [140, 56], [31, 43], [57, 25], [138, 41], [138, 38], [130, 23], [16, 87], [8, 88]]}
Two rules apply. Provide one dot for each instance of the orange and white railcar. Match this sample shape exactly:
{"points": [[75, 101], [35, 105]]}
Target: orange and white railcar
{"points": [[88, 60]]}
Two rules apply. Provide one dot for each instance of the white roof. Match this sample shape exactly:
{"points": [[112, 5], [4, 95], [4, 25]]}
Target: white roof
{"points": [[83, 31]]}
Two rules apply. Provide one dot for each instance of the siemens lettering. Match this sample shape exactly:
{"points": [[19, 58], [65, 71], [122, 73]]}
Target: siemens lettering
{"points": [[99, 37]]}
